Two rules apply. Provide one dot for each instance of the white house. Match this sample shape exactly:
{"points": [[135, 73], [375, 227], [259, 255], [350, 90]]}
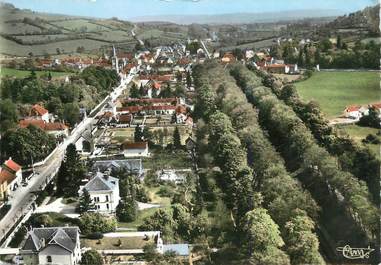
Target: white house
{"points": [[39, 113], [139, 149], [104, 192], [249, 54], [352, 112], [52, 245]]}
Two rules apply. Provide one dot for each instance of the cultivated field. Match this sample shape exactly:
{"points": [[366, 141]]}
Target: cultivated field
{"points": [[336, 90]]}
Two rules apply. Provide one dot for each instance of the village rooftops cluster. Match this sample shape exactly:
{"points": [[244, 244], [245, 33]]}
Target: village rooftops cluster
{"points": [[40, 117]]}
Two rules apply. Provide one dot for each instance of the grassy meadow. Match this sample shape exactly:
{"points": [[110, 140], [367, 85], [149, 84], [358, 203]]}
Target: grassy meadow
{"points": [[336, 90], [4, 71], [358, 133]]}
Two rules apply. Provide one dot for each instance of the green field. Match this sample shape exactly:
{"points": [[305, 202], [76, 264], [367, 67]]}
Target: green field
{"points": [[23, 73], [336, 90], [358, 133]]}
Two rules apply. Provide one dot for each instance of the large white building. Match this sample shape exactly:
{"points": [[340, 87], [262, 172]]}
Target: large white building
{"points": [[104, 192]]}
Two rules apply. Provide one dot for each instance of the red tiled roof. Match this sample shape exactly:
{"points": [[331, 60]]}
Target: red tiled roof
{"points": [[184, 61], [137, 145], [376, 105], [47, 126], [38, 123], [38, 109], [12, 165], [181, 109], [160, 78], [352, 108], [6, 176], [125, 118]]}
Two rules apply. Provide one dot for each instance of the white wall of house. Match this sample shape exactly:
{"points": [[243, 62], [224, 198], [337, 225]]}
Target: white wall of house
{"points": [[136, 152], [353, 114], [56, 259], [105, 201]]}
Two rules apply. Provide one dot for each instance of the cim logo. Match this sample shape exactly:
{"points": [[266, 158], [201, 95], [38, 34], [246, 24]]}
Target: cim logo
{"points": [[355, 253]]}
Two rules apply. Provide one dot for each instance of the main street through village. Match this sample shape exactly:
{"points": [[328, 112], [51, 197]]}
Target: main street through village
{"points": [[23, 198]]}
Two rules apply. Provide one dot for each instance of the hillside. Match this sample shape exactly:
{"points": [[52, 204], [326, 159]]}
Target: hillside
{"points": [[25, 31], [367, 19]]}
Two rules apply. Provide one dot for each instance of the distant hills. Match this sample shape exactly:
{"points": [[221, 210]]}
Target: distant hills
{"points": [[241, 18], [367, 18]]}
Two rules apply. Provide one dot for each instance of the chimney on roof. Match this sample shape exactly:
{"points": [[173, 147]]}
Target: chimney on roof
{"points": [[42, 242]]}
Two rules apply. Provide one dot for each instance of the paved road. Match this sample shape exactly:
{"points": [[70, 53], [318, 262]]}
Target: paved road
{"points": [[23, 198]]}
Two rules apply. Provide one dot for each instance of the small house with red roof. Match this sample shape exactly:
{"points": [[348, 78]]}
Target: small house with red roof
{"points": [[228, 58], [353, 112], [38, 112], [10, 177]]}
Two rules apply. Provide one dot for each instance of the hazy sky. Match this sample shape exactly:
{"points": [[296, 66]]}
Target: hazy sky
{"points": [[134, 8]]}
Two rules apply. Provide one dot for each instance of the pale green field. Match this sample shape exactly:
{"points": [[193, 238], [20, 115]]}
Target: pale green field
{"points": [[358, 133], [336, 90]]}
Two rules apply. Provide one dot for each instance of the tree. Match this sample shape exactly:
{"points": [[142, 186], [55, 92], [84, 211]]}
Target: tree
{"points": [[372, 119], [71, 172], [177, 138], [8, 115], [166, 92], [134, 91], [262, 240], [91, 257], [138, 134], [189, 79], [127, 210], [161, 220], [338, 42], [303, 245], [85, 202], [142, 91], [95, 222], [179, 90], [71, 113], [25, 145], [325, 45]]}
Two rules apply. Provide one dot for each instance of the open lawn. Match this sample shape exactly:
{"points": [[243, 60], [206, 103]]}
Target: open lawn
{"points": [[358, 133], [23, 73], [336, 90], [115, 243]]}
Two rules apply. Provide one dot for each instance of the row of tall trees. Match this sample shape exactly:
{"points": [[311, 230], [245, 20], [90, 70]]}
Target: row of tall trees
{"points": [[317, 167], [216, 89], [356, 159]]}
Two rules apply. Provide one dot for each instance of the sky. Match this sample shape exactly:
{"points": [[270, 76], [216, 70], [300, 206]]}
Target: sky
{"points": [[125, 9]]}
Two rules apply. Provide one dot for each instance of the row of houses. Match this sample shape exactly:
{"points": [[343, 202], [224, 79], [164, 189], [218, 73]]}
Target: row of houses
{"points": [[357, 111]]}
